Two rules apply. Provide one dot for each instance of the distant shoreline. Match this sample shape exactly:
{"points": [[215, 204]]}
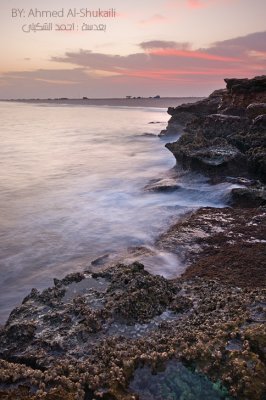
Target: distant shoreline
{"points": [[163, 102]]}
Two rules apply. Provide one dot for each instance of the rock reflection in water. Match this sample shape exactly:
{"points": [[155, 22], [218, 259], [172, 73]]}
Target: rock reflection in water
{"points": [[176, 383]]}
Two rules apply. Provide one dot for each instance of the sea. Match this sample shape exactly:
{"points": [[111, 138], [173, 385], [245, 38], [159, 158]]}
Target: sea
{"points": [[72, 188]]}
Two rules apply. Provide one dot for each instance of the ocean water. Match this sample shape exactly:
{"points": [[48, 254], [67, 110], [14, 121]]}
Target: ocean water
{"points": [[72, 189]]}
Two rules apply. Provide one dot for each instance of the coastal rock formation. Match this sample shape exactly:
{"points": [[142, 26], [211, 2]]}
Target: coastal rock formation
{"points": [[225, 134], [226, 244], [186, 113], [248, 197], [256, 109], [87, 339]]}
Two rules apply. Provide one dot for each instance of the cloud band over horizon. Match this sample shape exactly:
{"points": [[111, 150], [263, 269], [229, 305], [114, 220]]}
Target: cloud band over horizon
{"points": [[166, 67]]}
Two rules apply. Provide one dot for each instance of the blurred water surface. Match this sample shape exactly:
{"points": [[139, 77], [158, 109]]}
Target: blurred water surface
{"points": [[71, 189]]}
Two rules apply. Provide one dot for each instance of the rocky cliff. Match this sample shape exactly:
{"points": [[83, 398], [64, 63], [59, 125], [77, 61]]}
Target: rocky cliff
{"points": [[224, 134]]}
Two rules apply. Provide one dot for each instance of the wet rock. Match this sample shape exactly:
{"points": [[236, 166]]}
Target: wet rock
{"points": [[214, 243], [218, 158], [52, 296], [259, 123], [175, 381], [162, 185], [177, 123], [256, 109], [181, 304], [34, 294], [137, 267], [242, 181], [74, 277], [224, 264], [149, 135], [248, 197], [100, 260], [21, 332], [77, 352]]}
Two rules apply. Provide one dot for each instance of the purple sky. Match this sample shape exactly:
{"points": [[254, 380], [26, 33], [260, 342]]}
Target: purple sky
{"points": [[166, 47]]}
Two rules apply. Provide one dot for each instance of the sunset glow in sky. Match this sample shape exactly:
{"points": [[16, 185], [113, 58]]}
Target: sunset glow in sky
{"points": [[166, 47]]}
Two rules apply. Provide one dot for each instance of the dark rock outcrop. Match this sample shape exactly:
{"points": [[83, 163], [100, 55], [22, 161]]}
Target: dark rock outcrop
{"points": [[256, 109], [186, 113], [248, 197], [225, 133], [164, 185]]}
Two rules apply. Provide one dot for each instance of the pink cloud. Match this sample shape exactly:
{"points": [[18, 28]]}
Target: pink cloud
{"points": [[158, 64], [164, 44], [192, 54]]}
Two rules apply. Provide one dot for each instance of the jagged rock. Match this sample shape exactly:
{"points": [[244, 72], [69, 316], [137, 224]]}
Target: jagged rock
{"points": [[20, 332], [186, 113], [247, 86], [218, 125], [149, 135], [242, 92], [202, 107], [231, 122], [260, 123], [256, 109], [241, 181], [74, 277], [233, 110], [100, 260], [219, 157], [34, 294], [80, 352], [248, 197]]}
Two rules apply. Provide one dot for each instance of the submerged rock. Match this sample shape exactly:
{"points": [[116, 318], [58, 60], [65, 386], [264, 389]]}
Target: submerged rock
{"points": [[162, 185], [175, 382]]}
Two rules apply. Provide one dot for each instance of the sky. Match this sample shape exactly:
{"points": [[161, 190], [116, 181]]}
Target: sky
{"points": [[166, 47]]}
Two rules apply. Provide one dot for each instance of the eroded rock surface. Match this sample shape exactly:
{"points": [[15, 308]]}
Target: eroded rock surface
{"points": [[225, 133], [226, 244], [66, 349]]}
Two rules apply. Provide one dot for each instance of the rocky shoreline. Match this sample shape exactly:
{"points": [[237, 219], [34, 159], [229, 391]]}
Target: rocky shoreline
{"points": [[104, 334]]}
